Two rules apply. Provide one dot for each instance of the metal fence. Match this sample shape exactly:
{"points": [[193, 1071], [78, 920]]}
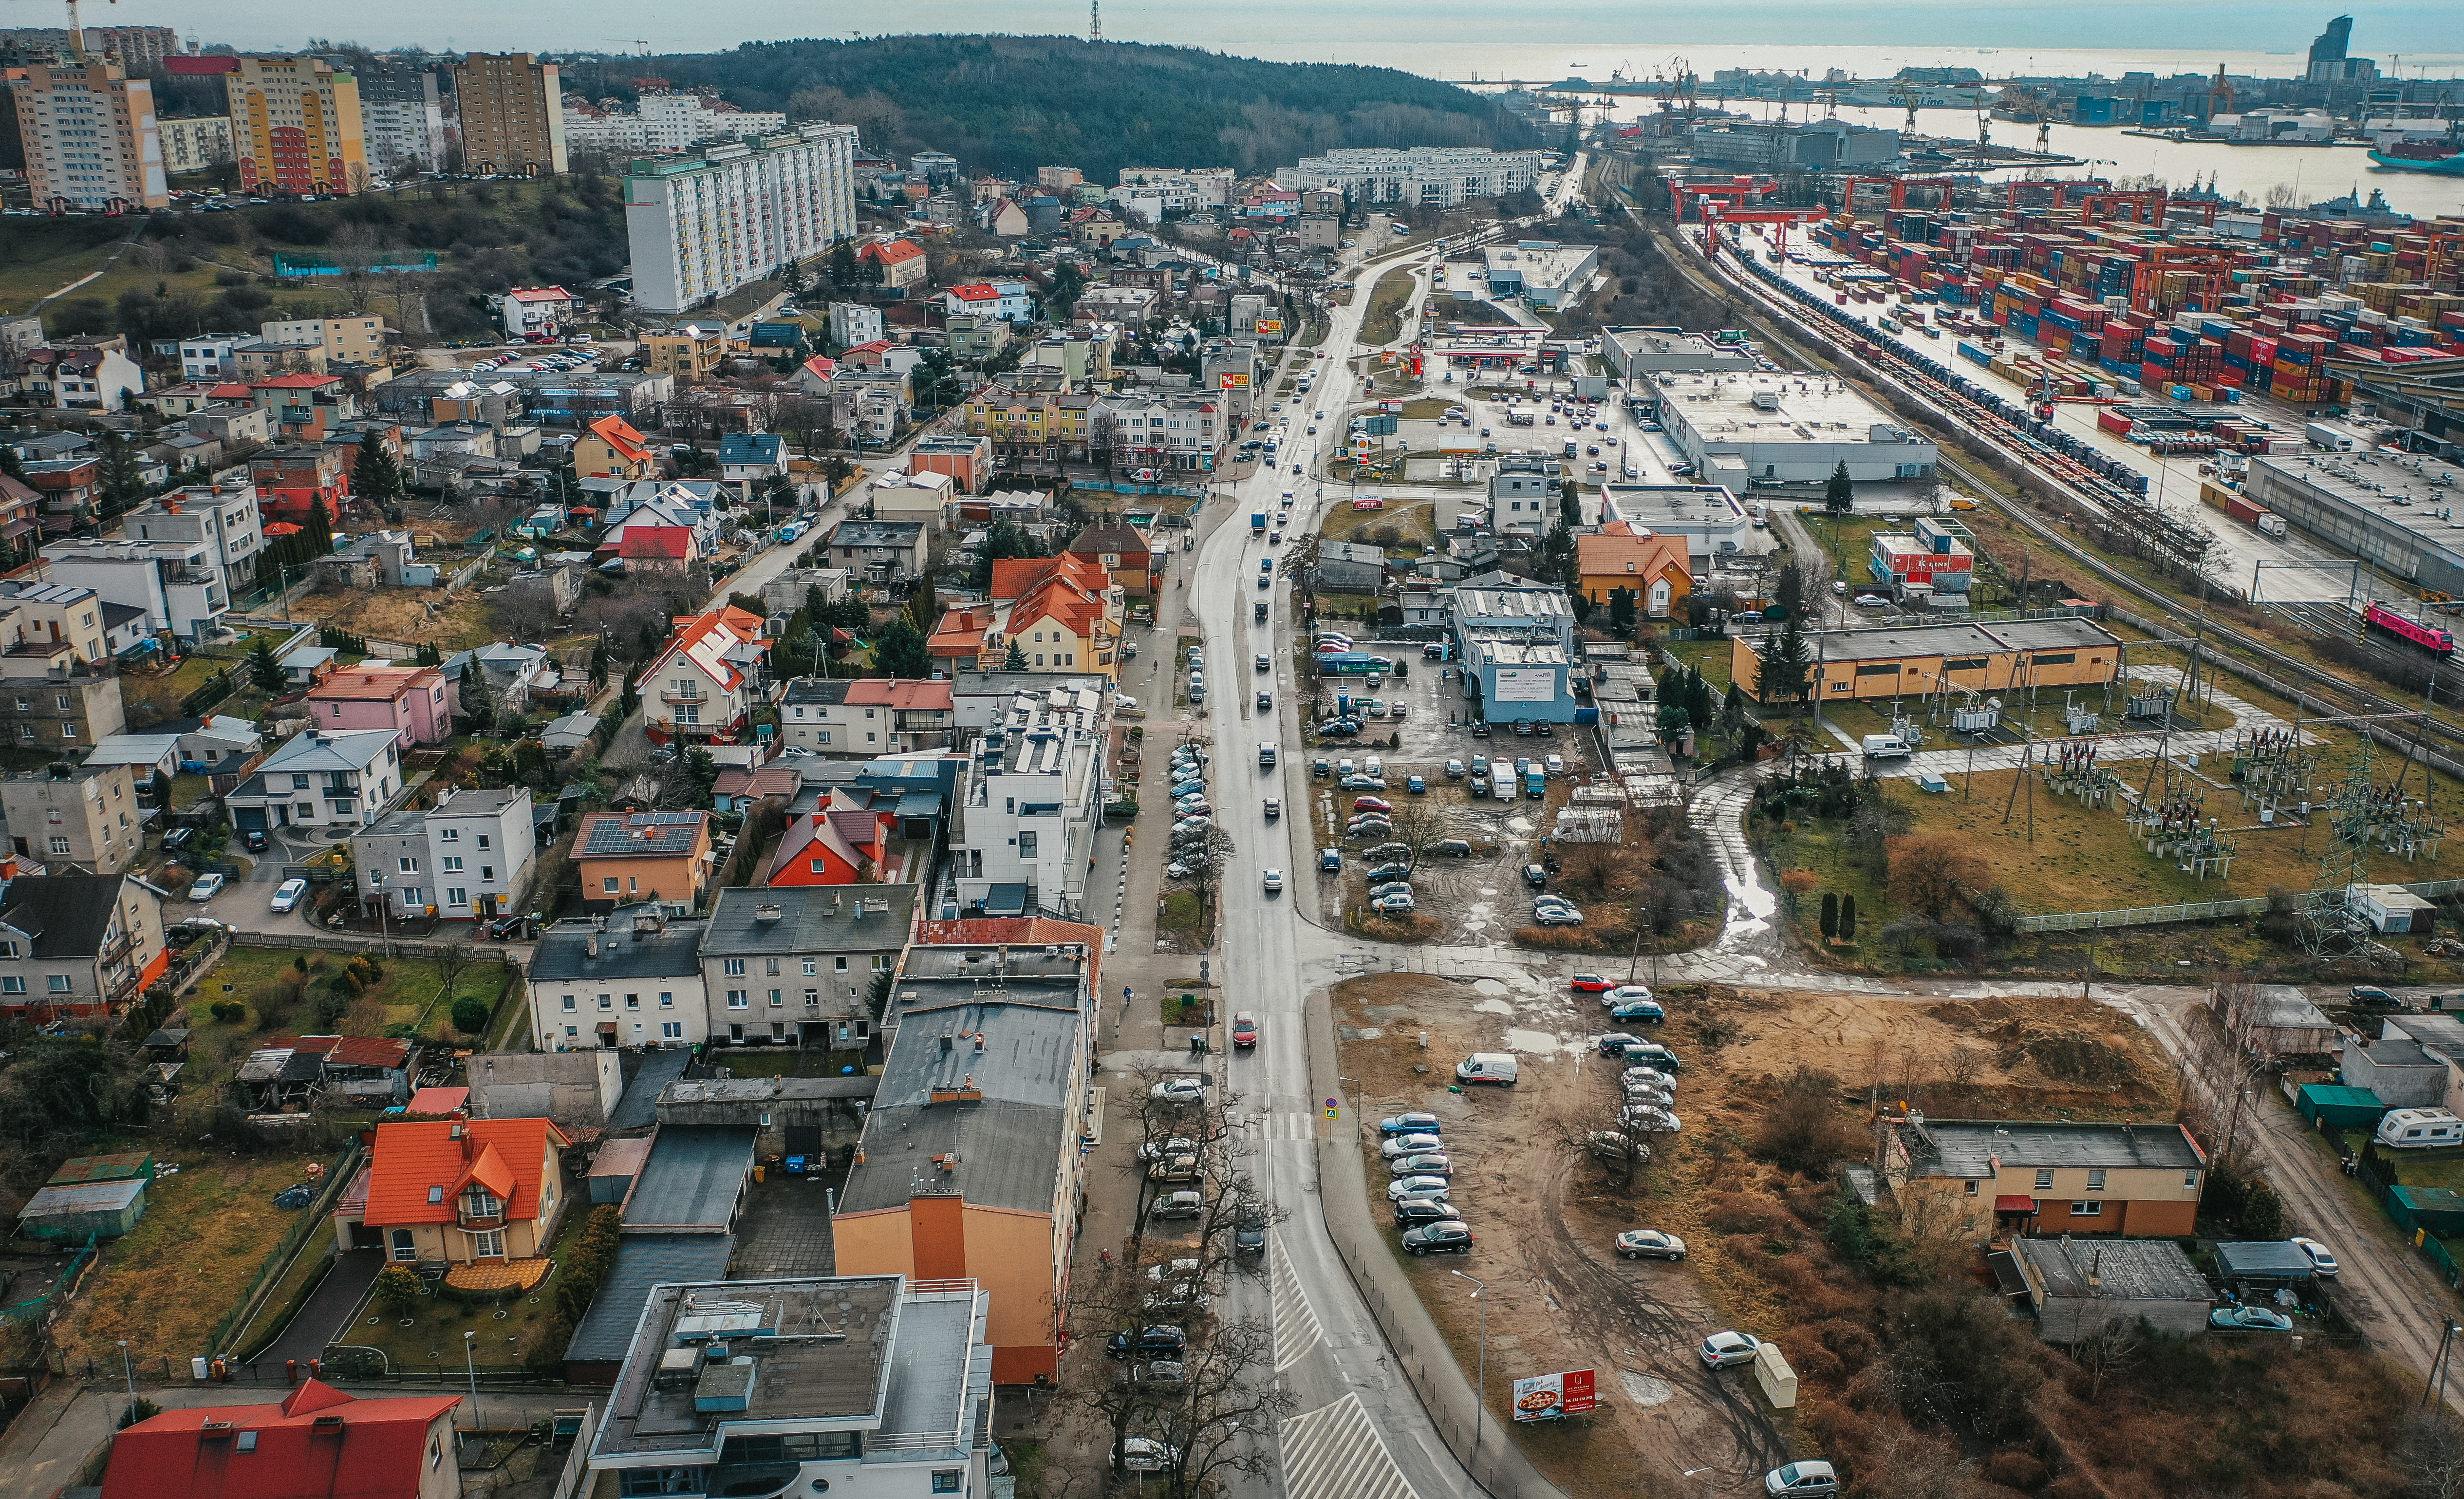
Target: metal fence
{"points": [[360, 942], [34, 1308], [2196, 911], [309, 1220]]}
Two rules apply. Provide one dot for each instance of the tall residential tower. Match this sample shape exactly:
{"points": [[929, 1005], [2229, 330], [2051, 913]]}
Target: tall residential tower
{"points": [[512, 113], [90, 137]]}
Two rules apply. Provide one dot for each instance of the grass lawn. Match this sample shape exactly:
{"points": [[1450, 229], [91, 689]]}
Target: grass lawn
{"points": [[2426, 1168], [1182, 911], [507, 1326], [1383, 323], [152, 697], [409, 995], [1416, 523], [205, 1234]]}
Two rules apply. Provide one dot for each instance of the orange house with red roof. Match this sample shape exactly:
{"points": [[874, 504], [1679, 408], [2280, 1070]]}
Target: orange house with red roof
{"points": [[454, 1191], [611, 449], [705, 684]]}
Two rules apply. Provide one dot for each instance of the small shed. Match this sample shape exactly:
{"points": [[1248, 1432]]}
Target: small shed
{"points": [[2264, 1262], [616, 1167], [2273, 1019], [2330, 1107], [2392, 907], [137, 1165], [167, 1044], [2435, 1210], [2081, 1286], [88, 1209]]}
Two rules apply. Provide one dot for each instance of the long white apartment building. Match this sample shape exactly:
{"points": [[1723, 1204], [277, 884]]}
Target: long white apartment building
{"points": [[664, 123], [1422, 176], [702, 226], [402, 120], [1150, 192]]}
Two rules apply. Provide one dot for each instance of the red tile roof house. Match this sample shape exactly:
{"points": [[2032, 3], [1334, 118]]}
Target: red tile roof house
{"points": [[458, 1191], [319, 1443], [414, 701]]}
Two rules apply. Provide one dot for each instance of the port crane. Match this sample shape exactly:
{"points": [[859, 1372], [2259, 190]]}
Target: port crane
{"points": [[76, 31], [1741, 192], [1898, 188], [2061, 189], [1719, 215], [641, 45]]}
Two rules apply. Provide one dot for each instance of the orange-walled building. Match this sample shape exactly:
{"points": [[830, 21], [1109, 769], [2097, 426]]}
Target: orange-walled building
{"points": [[985, 1101]]}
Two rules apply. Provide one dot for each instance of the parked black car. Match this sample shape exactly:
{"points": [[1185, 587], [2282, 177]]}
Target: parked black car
{"points": [[1156, 1342]]}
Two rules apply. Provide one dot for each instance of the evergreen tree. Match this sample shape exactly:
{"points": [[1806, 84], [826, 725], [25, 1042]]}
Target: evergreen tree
{"points": [[1621, 610], [478, 698], [121, 482], [1847, 918], [1016, 660], [1840, 495], [318, 528], [375, 476], [1787, 667], [598, 667], [1789, 593], [1569, 503], [1698, 700], [901, 652], [1830, 914], [1732, 709], [265, 671]]}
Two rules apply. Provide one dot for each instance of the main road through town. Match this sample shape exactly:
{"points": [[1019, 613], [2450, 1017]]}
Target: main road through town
{"points": [[1357, 1428]]}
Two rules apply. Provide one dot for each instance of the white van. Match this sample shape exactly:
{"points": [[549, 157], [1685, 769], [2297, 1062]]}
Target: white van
{"points": [[2420, 1128], [1495, 1067], [1885, 746]]}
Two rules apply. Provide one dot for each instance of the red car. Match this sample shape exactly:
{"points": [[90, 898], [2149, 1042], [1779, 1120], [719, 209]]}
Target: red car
{"points": [[1244, 1030], [1370, 803], [1592, 983]]}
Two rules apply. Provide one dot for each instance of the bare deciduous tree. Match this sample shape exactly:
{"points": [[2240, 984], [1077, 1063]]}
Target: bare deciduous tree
{"points": [[2111, 1349]]}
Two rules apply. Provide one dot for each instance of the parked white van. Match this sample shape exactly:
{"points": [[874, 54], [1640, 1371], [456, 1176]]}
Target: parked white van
{"points": [[2419, 1129], [1496, 1066], [1885, 746]]}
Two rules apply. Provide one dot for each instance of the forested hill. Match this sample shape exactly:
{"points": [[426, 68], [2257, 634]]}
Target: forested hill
{"points": [[1013, 103]]}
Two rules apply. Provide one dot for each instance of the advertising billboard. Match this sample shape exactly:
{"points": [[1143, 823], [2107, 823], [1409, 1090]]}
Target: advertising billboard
{"points": [[1270, 326], [1524, 684], [1547, 1396], [1379, 426], [1232, 382]]}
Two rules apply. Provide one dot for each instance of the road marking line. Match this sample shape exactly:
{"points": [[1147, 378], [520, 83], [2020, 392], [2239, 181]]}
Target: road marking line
{"points": [[1335, 1452], [1297, 1332]]}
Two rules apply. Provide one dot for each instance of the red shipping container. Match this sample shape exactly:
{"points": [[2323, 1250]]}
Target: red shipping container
{"points": [[2113, 421]]}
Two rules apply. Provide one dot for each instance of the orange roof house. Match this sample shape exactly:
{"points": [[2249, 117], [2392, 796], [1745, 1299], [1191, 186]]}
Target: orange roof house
{"points": [[612, 450], [962, 638], [1655, 568], [318, 1443], [454, 1191]]}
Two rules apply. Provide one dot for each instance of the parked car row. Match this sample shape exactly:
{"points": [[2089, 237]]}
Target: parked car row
{"points": [[1421, 1184]]}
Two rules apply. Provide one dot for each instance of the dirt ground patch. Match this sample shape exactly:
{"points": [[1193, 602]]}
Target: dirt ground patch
{"points": [[1546, 1215], [205, 1234], [455, 622]]}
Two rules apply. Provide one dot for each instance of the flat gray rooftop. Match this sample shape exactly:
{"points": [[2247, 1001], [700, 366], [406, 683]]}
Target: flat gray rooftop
{"points": [[1970, 1147], [695, 1175], [2114, 1269], [819, 1348]]}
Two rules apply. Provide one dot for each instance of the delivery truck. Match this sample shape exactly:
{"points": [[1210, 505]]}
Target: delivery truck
{"points": [[1258, 521], [2328, 436]]}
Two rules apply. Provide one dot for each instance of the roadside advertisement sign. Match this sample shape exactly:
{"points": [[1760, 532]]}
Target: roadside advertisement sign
{"points": [[1547, 1396], [1233, 381], [1270, 326]]}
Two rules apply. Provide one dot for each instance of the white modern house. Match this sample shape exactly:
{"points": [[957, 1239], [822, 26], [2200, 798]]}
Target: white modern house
{"points": [[319, 780], [468, 858], [1029, 804]]}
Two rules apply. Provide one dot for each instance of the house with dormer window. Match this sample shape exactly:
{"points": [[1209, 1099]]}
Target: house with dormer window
{"points": [[455, 1191]]}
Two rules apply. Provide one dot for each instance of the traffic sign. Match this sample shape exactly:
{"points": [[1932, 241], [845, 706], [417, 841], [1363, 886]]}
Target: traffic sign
{"points": [[1333, 1109]]}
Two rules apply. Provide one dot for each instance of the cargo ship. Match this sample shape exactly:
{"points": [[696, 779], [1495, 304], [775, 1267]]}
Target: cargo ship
{"points": [[2441, 157]]}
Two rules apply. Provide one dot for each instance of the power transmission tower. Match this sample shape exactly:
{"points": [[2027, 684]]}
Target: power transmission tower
{"points": [[2334, 926], [1095, 20]]}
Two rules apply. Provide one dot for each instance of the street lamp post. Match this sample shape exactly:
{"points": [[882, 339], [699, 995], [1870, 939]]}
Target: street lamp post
{"points": [[1480, 1411], [469, 1339], [1710, 1478], [129, 1373]]}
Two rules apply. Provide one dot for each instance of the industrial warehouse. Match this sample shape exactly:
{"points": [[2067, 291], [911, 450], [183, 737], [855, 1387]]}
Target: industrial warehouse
{"points": [[2391, 510], [1773, 430], [1910, 661]]}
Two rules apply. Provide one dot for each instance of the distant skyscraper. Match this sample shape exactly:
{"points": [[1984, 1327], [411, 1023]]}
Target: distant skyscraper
{"points": [[402, 121], [2333, 43], [296, 126]]}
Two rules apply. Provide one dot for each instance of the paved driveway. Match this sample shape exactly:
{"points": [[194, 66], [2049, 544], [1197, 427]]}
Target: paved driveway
{"points": [[328, 1312]]}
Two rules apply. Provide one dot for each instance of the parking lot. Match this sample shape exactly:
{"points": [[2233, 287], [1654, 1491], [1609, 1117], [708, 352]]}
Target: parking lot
{"points": [[1464, 897]]}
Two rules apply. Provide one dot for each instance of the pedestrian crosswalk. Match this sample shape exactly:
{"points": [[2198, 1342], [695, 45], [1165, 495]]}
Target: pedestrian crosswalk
{"points": [[1335, 1452], [1296, 1326], [1301, 1126]]}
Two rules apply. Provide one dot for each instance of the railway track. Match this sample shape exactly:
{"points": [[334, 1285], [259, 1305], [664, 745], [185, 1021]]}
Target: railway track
{"points": [[2332, 695]]}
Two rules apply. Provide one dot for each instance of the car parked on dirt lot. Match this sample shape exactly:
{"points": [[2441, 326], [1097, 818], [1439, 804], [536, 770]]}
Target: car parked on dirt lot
{"points": [[1410, 1124], [1402, 1187], [1364, 783], [1625, 992], [1728, 1349], [1372, 804], [1557, 916], [1155, 1342], [1638, 1012], [1446, 1236], [1801, 1478], [1414, 1211], [1415, 1144], [1649, 1244], [2323, 1260], [1386, 872], [1426, 1164], [1590, 983], [1397, 905], [1179, 1089]]}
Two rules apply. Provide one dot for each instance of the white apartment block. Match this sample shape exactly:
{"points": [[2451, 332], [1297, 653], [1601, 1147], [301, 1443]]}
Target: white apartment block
{"points": [[1030, 801], [1180, 432], [1205, 187], [664, 123], [222, 516], [90, 137], [467, 859], [1424, 176], [195, 145], [402, 120], [702, 226]]}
